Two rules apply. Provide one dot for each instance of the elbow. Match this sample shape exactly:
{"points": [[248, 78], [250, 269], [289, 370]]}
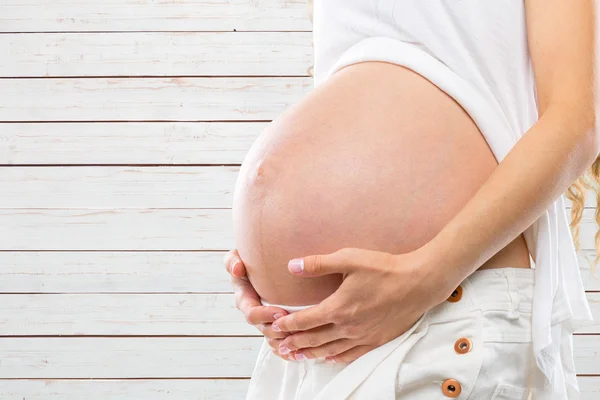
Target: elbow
{"points": [[583, 123], [580, 118]]}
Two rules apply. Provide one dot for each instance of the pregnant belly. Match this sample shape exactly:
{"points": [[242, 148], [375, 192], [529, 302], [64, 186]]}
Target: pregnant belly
{"points": [[377, 157]]}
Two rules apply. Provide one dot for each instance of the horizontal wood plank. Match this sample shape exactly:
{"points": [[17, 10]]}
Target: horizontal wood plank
{"points": [[155, 54], [134, 357], [165, 389], [590, 278], [122, 314], [142, 389], [587, 354], [117, 187], [113, 272], [141, 229], [127, 143], [589, 387], [149, 99], [141, 314], [135, 15], [105, 358], [140, 272], [122, 187], [116, 229]]}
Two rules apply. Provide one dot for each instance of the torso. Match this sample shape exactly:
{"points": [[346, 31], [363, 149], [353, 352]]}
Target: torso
{"points": [[376, 157]]}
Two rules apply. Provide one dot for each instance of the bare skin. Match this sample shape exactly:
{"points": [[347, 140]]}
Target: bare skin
{"points": [[418, 170], [498, 209], [377, 157]]}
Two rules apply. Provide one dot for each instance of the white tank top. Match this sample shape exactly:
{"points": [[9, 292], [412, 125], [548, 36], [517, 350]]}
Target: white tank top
{"points": [[477, 52]]}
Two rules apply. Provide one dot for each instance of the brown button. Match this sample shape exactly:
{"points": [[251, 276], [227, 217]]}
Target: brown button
{"points": [[451, 388], [456, 295], [463, 345]]}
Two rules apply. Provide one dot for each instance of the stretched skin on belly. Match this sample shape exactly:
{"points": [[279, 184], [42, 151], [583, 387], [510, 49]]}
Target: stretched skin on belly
{"points": [[376, 157]]}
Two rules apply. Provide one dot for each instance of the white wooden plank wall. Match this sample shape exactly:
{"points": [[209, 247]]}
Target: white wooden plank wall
{"points": [[122, 127]]}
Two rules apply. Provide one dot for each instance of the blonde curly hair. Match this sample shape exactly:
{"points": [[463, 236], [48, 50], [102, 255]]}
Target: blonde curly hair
{"points": [[576, 193]]}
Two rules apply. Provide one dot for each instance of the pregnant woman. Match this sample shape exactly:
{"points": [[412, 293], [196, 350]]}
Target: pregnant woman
{"points": [[401, 231]]}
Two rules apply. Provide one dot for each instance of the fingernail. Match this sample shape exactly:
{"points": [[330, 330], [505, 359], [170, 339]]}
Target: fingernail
{"points": [[284, 350], [233, 265], [277, 315], [329, 360], [296, 265], [300, 357], [275, 327]]}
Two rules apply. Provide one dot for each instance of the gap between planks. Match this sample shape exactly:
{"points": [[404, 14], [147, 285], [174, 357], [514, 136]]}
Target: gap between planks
{"points": [[142, 379], [149, 31], [124, 121], [150, 76], [119, 165]]}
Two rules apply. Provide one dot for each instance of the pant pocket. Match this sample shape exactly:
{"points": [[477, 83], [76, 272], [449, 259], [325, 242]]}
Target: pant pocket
{"points": [[507, 357], [445, 362]]}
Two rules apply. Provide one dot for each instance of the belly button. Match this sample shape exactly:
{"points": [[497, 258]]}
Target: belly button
{"points": [[259, 171]]}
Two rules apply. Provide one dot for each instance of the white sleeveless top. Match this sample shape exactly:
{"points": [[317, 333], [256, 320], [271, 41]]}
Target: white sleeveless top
{"points": [[476, 51]]}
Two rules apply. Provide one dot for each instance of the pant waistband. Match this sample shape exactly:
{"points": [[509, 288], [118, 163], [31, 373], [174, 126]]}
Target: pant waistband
{"points": [[508, 288]]}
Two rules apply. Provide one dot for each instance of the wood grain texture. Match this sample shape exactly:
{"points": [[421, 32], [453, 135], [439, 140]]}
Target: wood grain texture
{"points": [[188, 357], [122, 314], [143, 389], [587, 354], [127, 143], [117, 187], [139, 272], [133, 357], [116, 229], [165, 389], [141, 315], [590, 387], [155, 54], [113, 272], [149, 99], [135, 15], [140, 229]]}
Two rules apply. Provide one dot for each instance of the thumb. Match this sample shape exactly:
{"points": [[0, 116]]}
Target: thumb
{"points": [[322, 264]]}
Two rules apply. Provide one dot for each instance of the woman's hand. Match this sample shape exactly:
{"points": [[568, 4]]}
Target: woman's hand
{"points": [[381, 297], [248, 302]]}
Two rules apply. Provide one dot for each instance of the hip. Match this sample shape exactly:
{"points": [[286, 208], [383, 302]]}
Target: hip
{"points": [[476, 345]]}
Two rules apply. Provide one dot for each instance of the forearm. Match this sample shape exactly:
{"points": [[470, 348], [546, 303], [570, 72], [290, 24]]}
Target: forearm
{"points": [[557, 150]]}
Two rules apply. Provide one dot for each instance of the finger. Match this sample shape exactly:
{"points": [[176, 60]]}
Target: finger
{"points": [[330, 349], [309, 339], [269, 333], [234, 264], [284, 357], [306, 319], [350, 355], [259, 314], [340, 261], [274, 343], [229, 258], [248, 302], [245, 296]]}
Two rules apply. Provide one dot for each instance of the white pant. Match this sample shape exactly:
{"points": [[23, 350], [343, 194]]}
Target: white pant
{"points": [[475, 345]]}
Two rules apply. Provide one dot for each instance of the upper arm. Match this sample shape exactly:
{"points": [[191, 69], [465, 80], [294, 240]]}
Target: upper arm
{"points": [[561, 39]]}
